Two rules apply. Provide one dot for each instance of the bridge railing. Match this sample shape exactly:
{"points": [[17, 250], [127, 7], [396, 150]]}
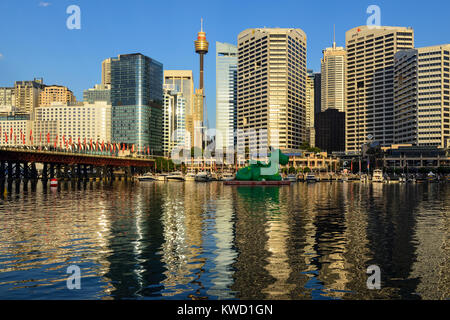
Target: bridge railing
{"points": [[70, 151]]}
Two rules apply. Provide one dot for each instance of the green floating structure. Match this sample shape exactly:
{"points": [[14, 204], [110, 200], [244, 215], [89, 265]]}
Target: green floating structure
{"points": [[264, 171]]}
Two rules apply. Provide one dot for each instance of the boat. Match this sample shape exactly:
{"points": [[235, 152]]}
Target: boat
{"points": [[161, 177], [310, 177], [291, 177], [203, 177], [190, 176], [228, 176], [175, 176], [378, 176], [147, 177], [364, 178], [431, 177]]}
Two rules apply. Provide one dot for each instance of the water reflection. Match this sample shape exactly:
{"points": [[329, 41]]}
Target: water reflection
{"points": [[210, 241]]}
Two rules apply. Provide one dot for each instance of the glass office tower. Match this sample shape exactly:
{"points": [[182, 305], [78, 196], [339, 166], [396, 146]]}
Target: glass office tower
{"points": [[226, 94], [136, 97]]}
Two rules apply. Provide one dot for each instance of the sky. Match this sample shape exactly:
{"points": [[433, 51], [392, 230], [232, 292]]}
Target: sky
{"points": [[36, 43]]}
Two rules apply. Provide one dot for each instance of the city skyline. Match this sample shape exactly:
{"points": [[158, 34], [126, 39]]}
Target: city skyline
{"points": [[78, 65]]}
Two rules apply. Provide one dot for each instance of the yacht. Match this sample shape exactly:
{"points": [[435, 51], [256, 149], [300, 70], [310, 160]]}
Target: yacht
{"points": [[228, 176], [291, 177], [310, 177], [378, 176], [364, 178], [190, 176], [161, 177], [431, 177], [146, 177], [175, 176], [203, 177]]}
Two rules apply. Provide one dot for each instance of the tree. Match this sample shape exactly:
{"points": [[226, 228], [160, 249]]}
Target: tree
{"points": [[291, 170], [306, 170]]}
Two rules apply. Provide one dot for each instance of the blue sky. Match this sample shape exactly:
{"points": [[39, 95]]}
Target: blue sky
{"points": [[35, 41]]}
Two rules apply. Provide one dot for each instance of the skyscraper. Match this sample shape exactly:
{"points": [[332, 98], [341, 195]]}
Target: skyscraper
{"points": [[226, 94], [174, 118], [333, 78], [137, 101], [310, 113], [370, 83], [422, 96], [317, 93], [271, 86], [100, 92]]}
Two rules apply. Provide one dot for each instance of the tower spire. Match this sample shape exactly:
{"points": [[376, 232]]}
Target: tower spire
{"points": [[201, 24]]}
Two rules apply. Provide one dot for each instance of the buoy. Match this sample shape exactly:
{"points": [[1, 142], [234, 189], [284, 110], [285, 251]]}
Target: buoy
{"points": [[54, 183]]}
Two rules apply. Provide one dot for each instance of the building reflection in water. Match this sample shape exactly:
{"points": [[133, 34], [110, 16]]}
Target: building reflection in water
{"points": [[210, 241]]}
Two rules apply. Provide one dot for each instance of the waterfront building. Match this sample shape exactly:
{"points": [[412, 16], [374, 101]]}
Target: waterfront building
{"points": [[370, 83], [137, 101], [77, 122], [333, 78], [7, 96], [271, 87], [55, 93], [106, 72], [100, 92], [312, 160], [310, 112], [407, 157], [422, 96], [174, 118], [14, 128], [226, 94], [330, 130], [26, 94]]}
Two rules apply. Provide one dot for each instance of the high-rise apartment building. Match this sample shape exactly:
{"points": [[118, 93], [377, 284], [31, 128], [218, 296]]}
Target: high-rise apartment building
{"points": [[100, 92], [271, 87], [106, 72], [137, 101], [59, 94], [26, 94], [330, 130], [422, 96], [174, 118], [370, 83], [310, 98], [333, 78], [317, 93], [226, 95], [7, 96]]}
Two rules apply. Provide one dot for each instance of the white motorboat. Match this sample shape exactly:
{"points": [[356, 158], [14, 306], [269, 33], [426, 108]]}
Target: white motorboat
{"points": [[292, 177], [203, 177], [161, 177], [228, 176], [147, 177], [310, 177], [378, 176], [190, 176], [364, 178], [175, 176]]}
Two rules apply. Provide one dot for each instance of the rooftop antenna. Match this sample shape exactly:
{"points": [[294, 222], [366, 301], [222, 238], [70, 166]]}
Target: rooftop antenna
{"points": [[201, 24], [334, 36]]}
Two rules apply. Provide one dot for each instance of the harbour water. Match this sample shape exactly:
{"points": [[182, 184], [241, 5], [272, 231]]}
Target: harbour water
{"points": [[175, 240]]}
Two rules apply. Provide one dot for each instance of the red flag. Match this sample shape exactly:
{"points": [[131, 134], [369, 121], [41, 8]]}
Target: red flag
{"points": [[70, 140], [56, 140], [48, 137], [40, 137], [10, 135], [31, 135], [6, 137], [132, 148]]}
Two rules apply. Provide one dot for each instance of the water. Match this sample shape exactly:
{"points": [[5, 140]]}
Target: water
{"points": [[209, 241]]}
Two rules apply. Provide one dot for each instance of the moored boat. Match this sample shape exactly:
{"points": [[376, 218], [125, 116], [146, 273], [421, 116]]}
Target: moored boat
{"points": [[203, 177], [310, 177], [175, 176], [228, 176], [377, 176], [190, 176], [291, 177], [146, 177]]}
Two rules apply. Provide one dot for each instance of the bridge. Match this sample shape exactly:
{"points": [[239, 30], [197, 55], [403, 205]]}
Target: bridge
{"points": [[19, 163]]}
